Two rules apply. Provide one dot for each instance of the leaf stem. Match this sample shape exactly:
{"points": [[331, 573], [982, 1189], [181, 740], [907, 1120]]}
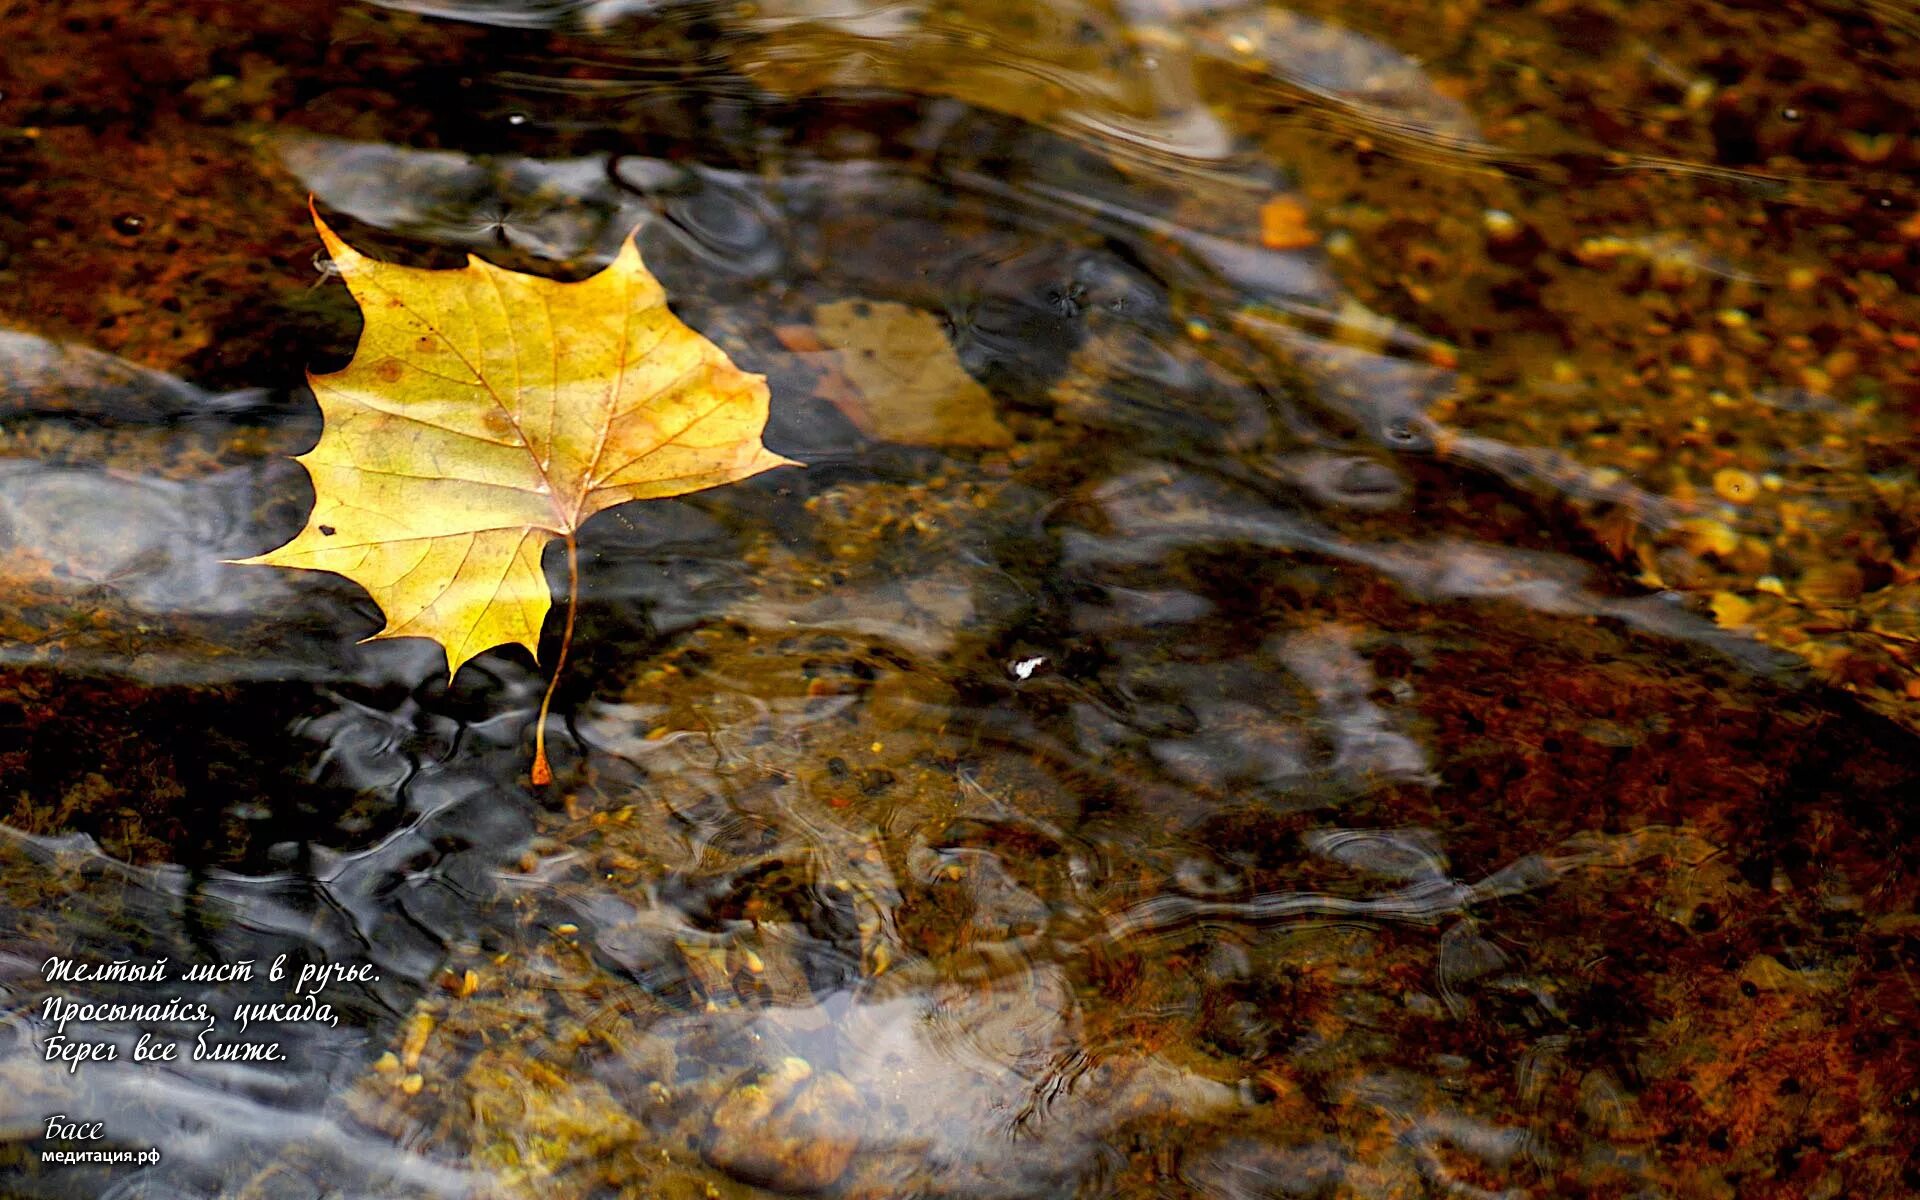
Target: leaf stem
{"points": [[542, 773]]}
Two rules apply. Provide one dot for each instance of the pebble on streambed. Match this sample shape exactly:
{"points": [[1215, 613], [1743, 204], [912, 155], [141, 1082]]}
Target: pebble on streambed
{"points": [[791, 1129]]}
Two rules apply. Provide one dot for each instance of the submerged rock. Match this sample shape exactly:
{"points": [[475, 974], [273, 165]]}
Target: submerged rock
{"points": [[791, 1128]]}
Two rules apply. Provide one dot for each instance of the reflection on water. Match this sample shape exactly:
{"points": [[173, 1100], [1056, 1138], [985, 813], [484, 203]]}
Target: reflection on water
{"points": [[1407, 692]]}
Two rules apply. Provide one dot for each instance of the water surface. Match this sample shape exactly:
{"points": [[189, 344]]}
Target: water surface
{"points": [[1347, 630]]}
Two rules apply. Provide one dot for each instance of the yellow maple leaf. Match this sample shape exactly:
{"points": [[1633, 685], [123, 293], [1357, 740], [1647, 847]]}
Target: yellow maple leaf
{"points": [[486, 413]]}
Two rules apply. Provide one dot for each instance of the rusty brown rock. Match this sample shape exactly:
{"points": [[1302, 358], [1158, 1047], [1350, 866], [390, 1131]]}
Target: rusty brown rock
{"points": [[791, 1128]]}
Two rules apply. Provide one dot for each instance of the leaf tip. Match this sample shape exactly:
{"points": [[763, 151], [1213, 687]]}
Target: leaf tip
{"points": [[343, 255], [629, 258], [269, 559]]}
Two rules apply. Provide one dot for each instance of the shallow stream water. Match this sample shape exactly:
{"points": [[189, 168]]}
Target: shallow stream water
{"points": [[1347, 629]]}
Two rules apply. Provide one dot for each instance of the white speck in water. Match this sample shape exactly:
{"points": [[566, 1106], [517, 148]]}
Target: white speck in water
{"points": [[1023, 668]]}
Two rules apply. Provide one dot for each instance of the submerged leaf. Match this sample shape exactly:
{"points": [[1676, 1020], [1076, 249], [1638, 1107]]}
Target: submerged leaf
{"points": [[912, 388]]}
